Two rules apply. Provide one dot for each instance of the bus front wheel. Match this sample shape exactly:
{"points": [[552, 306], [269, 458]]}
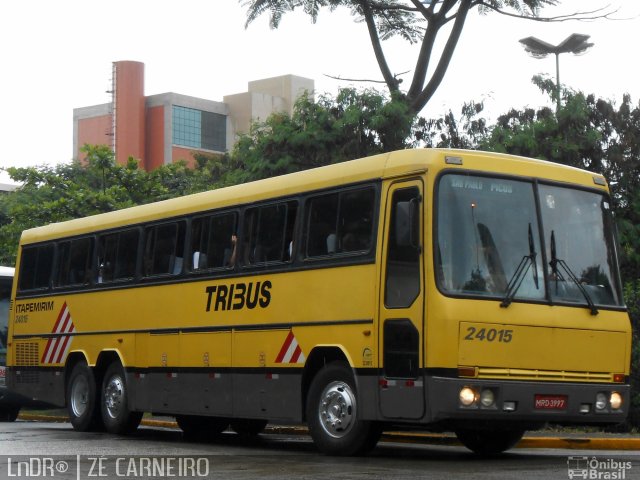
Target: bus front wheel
{"points": [[489, 442], [116, 416], [332, 414], [84, 412]]}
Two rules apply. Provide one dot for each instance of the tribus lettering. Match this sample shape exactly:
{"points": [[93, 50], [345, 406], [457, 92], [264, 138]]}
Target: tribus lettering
{"points": [[238, 295]]}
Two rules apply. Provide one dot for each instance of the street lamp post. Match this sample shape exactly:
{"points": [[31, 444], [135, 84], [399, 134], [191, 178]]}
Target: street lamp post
{"points": [[575, 43]]}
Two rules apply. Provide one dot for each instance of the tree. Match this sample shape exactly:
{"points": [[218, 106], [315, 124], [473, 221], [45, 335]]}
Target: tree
{"points": [[418, 22], [66, 191], [352, 125], [449, 131]]}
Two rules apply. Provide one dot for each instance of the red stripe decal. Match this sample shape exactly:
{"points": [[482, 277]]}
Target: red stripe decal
{"points": [[285, 347]]}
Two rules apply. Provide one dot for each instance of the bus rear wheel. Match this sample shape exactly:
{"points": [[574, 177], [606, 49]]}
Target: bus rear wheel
{"points": [[332, 414], [116, 416], [84, 412], [489, 442]]}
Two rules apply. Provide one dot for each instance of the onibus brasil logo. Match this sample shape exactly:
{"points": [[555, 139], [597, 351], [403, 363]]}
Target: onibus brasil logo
{"points": [[594, 468]]}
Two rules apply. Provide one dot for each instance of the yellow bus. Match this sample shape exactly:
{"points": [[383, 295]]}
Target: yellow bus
{"points": [[431, 289]]}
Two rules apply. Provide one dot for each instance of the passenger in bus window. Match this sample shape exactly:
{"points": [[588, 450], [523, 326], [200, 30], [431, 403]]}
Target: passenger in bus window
{"points": [[230, 253]]}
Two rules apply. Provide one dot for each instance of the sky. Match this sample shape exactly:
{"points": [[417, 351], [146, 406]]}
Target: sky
{"points": [[57, 56]]}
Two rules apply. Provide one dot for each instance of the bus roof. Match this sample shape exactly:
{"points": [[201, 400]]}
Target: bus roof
{"points": [[401, 162]]}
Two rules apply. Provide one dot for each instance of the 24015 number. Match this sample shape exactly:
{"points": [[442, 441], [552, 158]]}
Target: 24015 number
{"points": [[489, 335]]}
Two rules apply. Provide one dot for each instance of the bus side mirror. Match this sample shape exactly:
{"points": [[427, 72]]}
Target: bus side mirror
{"points": [[407, 228]]}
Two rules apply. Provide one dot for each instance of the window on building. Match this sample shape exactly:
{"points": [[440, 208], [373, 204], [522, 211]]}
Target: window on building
{"points": [[199, 129]]}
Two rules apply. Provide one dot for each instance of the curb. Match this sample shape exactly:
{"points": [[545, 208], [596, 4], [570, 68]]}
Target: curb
{"points": [[568, 443]]}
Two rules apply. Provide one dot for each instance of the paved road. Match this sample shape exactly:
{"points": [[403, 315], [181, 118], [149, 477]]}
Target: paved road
{"points": [[47, 447]]}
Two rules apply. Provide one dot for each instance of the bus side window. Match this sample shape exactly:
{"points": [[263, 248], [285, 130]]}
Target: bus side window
{"points": [[268, 233], [356, 220], [164, 249], [322, 216], [212, 241], [36, 267], [117, 256], [74, 262], [340, 223]]}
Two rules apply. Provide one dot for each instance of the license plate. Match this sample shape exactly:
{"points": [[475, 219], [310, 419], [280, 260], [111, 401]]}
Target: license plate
{"points": [[550, 402]]}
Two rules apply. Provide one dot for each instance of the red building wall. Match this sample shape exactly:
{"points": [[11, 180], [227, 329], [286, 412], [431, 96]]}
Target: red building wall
{"points": [[154, 157], [94, 131], [130, 138], [183, 153]]}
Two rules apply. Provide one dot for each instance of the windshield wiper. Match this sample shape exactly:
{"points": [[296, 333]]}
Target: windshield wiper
{"points": [[555, 261], [521, 272]]}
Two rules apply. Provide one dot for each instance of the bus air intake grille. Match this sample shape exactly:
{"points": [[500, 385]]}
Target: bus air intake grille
{"points": [[27, 354], [544, 375]]}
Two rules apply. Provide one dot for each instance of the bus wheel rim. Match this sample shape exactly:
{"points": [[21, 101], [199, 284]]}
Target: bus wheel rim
{"points": [[113, 396], [79, 396], [337, 409]]}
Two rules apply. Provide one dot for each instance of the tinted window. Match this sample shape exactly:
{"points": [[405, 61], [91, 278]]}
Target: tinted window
{"points": [[340, 222], [268, 233], [164, 249], [213, 241], [35, 267], [401, 349], [117, 256], [74, 262], [402, 284]]}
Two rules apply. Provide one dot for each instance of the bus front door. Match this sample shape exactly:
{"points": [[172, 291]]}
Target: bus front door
{"points": [[401, 383]]}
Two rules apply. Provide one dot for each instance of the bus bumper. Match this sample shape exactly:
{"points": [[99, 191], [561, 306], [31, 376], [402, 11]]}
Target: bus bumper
{"points": [[453, 399]]}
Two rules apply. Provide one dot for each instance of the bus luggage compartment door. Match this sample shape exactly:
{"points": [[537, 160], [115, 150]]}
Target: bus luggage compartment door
{"points": [[401, 384]]}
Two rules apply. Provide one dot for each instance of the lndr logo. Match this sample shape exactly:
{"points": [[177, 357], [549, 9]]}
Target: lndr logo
{"points": [[597, 469]]}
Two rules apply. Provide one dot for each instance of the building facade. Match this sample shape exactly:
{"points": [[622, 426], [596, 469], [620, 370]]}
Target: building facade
{"points": [[168, 127]]}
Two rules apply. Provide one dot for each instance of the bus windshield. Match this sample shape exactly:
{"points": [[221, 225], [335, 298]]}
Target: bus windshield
{"points": [[489, 242]]}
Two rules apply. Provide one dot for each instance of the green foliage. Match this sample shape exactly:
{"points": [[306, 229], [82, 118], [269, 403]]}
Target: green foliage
{"points": [[66, 191], [352, 125], [466, 131]]}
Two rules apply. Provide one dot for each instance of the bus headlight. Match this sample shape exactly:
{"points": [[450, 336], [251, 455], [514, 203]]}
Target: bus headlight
{"points": [[467, 396], [601, 401], [487, 398], [615, 400]]}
